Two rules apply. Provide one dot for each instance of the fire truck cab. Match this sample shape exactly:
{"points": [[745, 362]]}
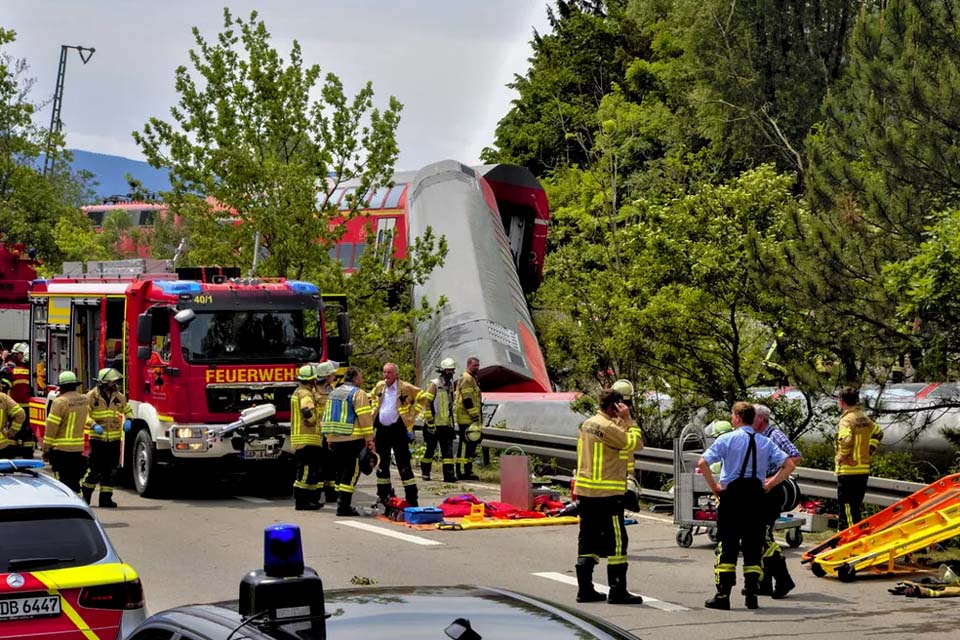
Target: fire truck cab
{"points": [[195, 346]]}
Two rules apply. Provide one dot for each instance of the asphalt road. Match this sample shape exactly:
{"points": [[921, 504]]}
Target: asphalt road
{"points": [[190, 549]]}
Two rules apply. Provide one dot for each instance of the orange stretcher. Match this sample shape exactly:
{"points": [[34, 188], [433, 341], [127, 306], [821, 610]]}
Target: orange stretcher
{"points": [[936, 496], [882, 548]]}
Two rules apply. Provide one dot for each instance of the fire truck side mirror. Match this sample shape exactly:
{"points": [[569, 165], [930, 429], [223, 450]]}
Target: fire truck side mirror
{"points": [[143, 352], [347, 349], [343, 327], [144, 328], [184, 317]]}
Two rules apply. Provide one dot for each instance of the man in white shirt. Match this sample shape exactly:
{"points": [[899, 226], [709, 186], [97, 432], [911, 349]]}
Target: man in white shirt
{"points": [[394, 410]]}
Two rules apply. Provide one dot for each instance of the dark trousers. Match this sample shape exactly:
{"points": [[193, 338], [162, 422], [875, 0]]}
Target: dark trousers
{"points": [[25, 439], [393, 437], [443, 437], [309, 481], [850, 492], [68, 467], [602, 530], [741, 526], [346, 458], [104, 461], [467, 451], [10, 452]]}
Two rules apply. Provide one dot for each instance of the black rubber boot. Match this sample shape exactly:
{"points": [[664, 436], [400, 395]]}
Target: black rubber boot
{"points": [[425, 469], [585, 589], [411, 494], [720, 601], [765, 586], [617, 576], [330, 494], [449, 475], [105, 500], [343, 505], [785, 583], [751, 583], [304, 500], [87, 494]]}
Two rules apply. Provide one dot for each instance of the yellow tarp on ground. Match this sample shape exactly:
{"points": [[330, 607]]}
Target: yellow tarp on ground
{"points": [[493, 523]]}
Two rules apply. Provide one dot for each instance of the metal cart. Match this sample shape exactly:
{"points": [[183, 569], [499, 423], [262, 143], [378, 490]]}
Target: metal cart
{"points": [[694, 505]]}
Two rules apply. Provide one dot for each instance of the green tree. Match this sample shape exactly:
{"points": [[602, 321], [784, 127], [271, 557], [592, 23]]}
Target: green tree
{"points": [[253, 155], [883, 167], [30, 204]]}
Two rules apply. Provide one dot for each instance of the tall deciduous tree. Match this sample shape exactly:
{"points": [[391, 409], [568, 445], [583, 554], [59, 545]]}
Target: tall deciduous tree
{"points": [[31, 204], [257, 147]]}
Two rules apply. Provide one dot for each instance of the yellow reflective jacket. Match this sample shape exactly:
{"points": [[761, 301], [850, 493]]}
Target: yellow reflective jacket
{"points": [[110, 413], [437, 404], [347, 415], [304, 418], [466, 400], [12, 416], [857, 438], [407, 395], [627, 454], [601, 467], [66, 421]]}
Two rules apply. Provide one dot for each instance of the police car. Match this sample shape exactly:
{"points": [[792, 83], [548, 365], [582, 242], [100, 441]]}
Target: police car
{"points": [[286, 600], [59, 576]]}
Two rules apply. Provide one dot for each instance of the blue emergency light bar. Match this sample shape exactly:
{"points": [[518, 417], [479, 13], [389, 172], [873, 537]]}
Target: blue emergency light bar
{"points": [[177, 287], [282, 551], [307, 288], [19, 464]]}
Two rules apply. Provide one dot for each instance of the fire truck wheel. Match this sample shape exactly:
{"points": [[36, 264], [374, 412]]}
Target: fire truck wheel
{"points": [[145, 474]]}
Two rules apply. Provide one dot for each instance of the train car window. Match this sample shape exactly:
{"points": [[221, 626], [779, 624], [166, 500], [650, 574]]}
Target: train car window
{"points": [[346, 200], [393, 199], [378, 197]]}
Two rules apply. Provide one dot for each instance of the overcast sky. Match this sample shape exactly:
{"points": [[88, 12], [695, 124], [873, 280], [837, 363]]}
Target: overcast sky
{"points": [[447, 61]]}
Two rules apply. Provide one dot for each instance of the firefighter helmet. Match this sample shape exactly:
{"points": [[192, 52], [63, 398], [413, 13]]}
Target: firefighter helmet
{"points": [[325, 369], [307, 373], [624, 388], [67, 377], [22, 349], [720, 427], [448, 363], [109, 374], [473, 433]]}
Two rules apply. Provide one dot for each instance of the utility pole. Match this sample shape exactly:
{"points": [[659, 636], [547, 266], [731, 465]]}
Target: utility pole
{"points": [[55, 125]]}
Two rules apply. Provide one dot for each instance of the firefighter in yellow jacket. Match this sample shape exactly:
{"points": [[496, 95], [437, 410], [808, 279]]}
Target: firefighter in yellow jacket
{"points": [[12, 417], [63, 437], [111, 414], [437, 403], [306, 441], [600, 485], [326, 381], [857, 439], [466, 408], [348, 426], [631, 497], [394, 404]]}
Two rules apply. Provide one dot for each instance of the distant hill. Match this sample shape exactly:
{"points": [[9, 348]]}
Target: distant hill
{"points": [[110, 173]]}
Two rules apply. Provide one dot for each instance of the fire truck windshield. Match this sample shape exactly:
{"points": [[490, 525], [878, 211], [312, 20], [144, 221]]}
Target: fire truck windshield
{"points": [[250, 336]]}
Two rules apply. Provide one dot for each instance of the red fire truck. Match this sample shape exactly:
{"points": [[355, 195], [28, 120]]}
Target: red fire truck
{"points": [[196, 347]]}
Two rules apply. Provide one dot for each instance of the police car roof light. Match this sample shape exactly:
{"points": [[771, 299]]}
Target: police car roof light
{"points": [[282, 550], [19, 464]]}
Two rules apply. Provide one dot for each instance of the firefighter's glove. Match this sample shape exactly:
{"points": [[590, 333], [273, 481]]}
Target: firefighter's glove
{"points": [[126, 425], [409, 436], [97, 429]]}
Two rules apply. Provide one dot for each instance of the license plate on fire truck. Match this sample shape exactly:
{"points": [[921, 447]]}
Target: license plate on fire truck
{"points": [[261, 450], [35, 607]]}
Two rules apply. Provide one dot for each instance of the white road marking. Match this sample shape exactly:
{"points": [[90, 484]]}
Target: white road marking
{"points": [[254, 500], [387, 532], [643, 516], [647, 600]]}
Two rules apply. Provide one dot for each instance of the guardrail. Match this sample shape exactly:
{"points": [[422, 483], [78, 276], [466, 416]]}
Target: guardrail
{"points": [[813, 482]]}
